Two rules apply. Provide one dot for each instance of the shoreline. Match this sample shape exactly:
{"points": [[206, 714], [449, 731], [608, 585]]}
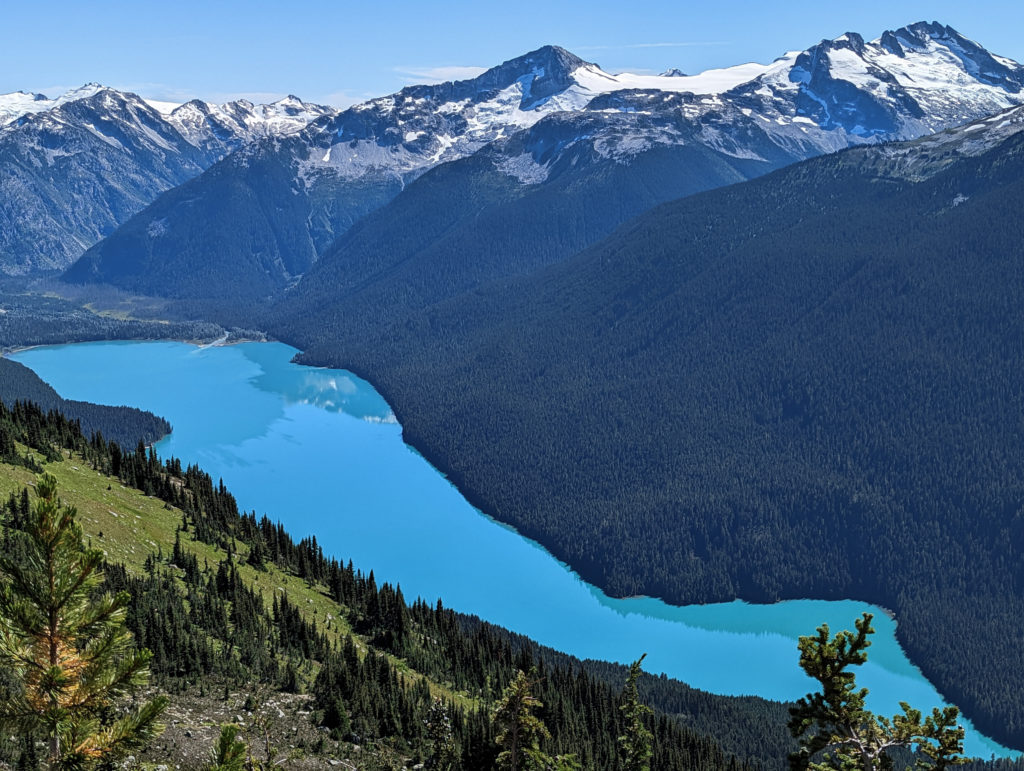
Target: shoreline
{"points": [[547, 548], [223, 341]]}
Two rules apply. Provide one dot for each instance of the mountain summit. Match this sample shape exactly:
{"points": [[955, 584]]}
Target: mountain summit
{"points": [[546, 118], [76, 166], [543, 73], [908, 82]]}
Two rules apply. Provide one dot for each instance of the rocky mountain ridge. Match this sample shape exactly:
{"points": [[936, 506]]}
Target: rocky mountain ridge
{"points": [[75, 167], [529, 122]]}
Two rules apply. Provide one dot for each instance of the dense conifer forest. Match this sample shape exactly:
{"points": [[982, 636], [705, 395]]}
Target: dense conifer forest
{"points": [[123, 425], [29, 318], [804, 385], [466, 223]]}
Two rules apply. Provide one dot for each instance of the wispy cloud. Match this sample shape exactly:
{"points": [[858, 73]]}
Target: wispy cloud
{"points": [[439, 74], [690, 44], [343, 99], [51, 91]]}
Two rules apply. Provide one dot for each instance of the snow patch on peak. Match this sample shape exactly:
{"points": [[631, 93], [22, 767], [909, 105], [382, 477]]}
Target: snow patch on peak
{"points": [[82, 92], [204, 124], [930, 154], [162, 107], [523, 168], [714, 81], [20, 103], [13, 106]]}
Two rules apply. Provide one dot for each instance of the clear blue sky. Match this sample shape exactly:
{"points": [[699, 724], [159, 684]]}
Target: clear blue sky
{"points": [[339, 52]]}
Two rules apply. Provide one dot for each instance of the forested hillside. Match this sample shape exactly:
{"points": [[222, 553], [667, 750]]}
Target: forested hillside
{"points": [[804, 385], [468, 222], [226, 601], [269, 229], [125, 425], [248, 229], [27, 318]]}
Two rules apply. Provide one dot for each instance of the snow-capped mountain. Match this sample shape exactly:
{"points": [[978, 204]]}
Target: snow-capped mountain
{"points": [[909, 82], [225, 126], [19, 103], [549, 112], [196, 120], [75, 167], [540, 116], [422, 126]]}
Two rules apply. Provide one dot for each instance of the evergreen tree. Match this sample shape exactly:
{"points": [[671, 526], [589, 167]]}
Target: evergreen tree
{"points": [[66, 645], [519, 731], [229, 751], [439, 728], [336, 718], [635, 744], [835, 726]]}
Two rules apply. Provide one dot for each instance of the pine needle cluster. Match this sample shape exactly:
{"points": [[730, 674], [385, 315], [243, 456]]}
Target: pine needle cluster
{"points": [[66, 645], [838, 733]]}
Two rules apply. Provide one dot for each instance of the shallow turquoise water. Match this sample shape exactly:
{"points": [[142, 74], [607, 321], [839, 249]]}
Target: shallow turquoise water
{"points": [[321, 451]]}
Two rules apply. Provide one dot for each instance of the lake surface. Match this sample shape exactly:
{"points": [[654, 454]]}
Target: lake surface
{"points": [[321, 451]]}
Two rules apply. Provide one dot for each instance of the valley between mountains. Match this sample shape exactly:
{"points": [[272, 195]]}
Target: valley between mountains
{"points": [[752, 333]]}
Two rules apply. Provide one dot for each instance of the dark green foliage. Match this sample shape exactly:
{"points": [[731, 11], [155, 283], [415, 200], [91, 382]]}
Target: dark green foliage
{"points": [[819, 367], [125, 425], [245, 229], [444, 753], [266, 251], [635, 742], [229, 752], [27, 424], [518, 732], [67, 648], [250, 225], [203, 624], [466, 222], [31, 319], [835, 729], [335, 717]]}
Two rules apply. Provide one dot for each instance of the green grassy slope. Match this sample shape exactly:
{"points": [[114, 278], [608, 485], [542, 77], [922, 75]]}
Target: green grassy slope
{"points": [[435, 660]]}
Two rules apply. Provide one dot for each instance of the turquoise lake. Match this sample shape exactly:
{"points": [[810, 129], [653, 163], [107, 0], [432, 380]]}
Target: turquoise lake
{"points": [[321, 451]]}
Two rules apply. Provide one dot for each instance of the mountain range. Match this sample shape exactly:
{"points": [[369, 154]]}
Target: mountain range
{"points": [[74, 168], [544, 125]]}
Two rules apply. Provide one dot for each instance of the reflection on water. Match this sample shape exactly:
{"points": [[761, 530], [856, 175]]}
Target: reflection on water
{"points": [[329, 389], [786, 619], [320, 451]]}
